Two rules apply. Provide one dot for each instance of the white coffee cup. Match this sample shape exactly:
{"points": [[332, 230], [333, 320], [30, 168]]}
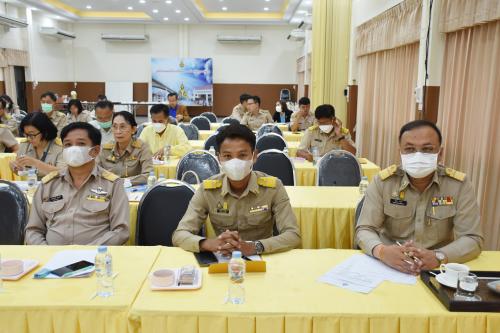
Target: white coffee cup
{"points": [[453, 271]]}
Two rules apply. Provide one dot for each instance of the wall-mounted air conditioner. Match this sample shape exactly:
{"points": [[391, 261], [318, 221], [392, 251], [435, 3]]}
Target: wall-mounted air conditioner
{"points": [[124, 38], [297, 35], [239, 39], [12, 22], [56, 33]]}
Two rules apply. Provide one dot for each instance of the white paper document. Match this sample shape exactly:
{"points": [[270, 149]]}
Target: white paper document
{"points": [[362, 273], [68, 257]]}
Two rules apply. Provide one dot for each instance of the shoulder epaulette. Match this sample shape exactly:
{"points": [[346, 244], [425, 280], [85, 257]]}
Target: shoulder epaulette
{"points": [[3, 126], [212, 184], [313, 127], [387, 172], [8, 117], [22, 140], [50, 176], [137, 144], [58, 141], [344, 130], [455, 174], [267, 181], [109, 175], [108, 145]]}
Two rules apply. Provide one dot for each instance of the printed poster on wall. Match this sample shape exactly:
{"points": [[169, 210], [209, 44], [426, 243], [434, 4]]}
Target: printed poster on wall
{"points": [[190, 78]]}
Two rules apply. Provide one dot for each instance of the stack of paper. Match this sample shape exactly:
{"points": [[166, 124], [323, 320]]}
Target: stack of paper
{"points": [[363, 273]]}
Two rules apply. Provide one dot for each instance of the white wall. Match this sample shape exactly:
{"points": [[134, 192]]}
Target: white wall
{"points": [[14, 38]]}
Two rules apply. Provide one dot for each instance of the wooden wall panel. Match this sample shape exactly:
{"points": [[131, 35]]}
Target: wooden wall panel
{"points": [[431, 105], [33, 95], [352, 109], [2, 87], [88, 91], [141, 94]]}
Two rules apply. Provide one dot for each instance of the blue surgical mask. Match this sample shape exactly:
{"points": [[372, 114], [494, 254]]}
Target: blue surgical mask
{"points": [[47, 108]]}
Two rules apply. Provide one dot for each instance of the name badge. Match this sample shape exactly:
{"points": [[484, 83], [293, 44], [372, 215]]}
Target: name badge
{"points": [[258, 209], [56, 198], [318, 140], [399, 202]]}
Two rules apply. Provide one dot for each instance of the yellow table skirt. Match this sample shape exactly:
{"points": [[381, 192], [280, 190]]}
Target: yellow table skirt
{"points": [[325, 215], [65, 305], [287, 298], [5, 171]]}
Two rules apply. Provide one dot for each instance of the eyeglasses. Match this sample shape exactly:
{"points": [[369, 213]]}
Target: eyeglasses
{"points": [[31, 136], [120, 129]]}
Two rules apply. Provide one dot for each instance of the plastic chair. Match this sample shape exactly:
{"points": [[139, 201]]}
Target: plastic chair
{"points": [[202, 122], [270, 141], [190, 130], [14, 216], [338, 168], [210, 115], [201, 163], [275, 163], [268, 128]]}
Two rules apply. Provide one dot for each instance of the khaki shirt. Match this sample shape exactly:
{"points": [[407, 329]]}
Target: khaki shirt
{"points": [[445, 216], [84, 116], [304, 123], [11, 123], [52, 154], [63, 215], [59, 120], [254, 122], [263, 204], [135, 163], [7, 139], [314, 137], [238, 112]]}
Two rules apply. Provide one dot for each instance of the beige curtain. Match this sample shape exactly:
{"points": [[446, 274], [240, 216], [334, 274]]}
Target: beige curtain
{"points": [[459, 14], [10, 82], [386, 101], [395, 27], [469, 116]]}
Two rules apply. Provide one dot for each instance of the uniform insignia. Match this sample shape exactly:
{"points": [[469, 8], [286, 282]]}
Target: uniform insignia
{"points": [[22, 140], [109, 175], [137, 144], [132, 158], [267, 182], [212, 184], [455, 174], [398, 202], [55, 198], [313, 127], [442, 201], [387, 172], [98, 195], [50, 176], [58, 141], [111, 158], [263, 208], [108, 146], [222, 208], [344, 130]]}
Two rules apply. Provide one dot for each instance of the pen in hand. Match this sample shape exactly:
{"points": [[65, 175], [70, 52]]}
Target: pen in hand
{"points": [[416, 260]]}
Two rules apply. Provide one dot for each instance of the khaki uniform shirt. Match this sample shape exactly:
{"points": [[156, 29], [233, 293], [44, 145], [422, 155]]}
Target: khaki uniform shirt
{"points": [[255, 122], [95, 214], [59, 120], [314, 137], [445, 216], [304, 123], [11, 123], [238, 112], [84, 116], [52, 154], [135, 163], [7, 139], [263, 204]]}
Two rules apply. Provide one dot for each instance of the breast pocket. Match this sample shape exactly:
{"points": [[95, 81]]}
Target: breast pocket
{"points": [[439, 222], [51, 209], [400, 220], [94, 208], [221, 222], [258, 219]]}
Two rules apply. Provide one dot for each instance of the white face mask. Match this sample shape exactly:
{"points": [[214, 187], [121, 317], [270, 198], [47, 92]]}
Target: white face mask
{"points": [[159, 127], [278, 108], [236, 169], [76, 156], [326, 128], [419, 165]]}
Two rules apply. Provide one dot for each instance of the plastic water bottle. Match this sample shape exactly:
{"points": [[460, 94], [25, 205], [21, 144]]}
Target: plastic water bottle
{"points": [[151, 179], [104, 272], [162, 178], [315, 154], [212, 150], [363, 185], [166, 153], [32, 180], [236, 270]]}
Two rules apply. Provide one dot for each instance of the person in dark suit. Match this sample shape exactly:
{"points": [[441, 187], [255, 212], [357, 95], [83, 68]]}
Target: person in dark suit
{"points": [[282, 114]]}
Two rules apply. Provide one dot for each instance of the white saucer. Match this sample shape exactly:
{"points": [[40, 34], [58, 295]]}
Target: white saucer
{"points": [[441, 278]]}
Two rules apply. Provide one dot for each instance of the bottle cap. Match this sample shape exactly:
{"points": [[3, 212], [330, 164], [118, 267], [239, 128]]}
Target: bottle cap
{"points": [[236, 255], [102, 249]]}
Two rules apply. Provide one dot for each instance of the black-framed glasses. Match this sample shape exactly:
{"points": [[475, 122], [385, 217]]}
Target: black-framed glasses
{"points": [[31, 136]]}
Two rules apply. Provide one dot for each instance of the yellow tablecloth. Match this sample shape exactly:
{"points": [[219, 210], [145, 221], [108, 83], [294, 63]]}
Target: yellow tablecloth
{"points": [[287, 298], [64, 306], [325, 215], [305, 172], [5, 171]]}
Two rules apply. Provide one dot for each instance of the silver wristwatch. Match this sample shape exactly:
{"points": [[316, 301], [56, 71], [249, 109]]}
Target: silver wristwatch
{"points": [[441, 257], [259, 248]]}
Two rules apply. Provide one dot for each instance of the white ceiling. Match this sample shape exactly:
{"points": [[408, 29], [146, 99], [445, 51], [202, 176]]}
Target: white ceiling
{"points": [[182, 11]]}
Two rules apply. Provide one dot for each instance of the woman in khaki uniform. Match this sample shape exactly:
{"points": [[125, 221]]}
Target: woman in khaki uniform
{"points": [[77, 113], [127, 157], [42, 150]]}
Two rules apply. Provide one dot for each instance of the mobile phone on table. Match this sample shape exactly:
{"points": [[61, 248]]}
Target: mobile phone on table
{"points": [[72, 268]]}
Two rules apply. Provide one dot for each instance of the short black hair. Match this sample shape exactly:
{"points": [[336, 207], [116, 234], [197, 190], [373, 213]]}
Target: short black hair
{"points": [[420, 123], [49, 94], [173, 94], [3, 104], [42, 123], [77, 103], [102, 97], [158, 108], [129, 117], [235, 131], [244, 97], [304, 101], [324, 111], [105, 105], [10, 103], [256, 99], [93, 133]]}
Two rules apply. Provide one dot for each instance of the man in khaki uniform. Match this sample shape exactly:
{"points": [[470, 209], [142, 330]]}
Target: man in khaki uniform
{"points": [[83, 203], [431, 208], [327, 135], [240, 109], [256, 117], [135, 163], [48, 103], [303, 118], [7, 140], [243, 205]]}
